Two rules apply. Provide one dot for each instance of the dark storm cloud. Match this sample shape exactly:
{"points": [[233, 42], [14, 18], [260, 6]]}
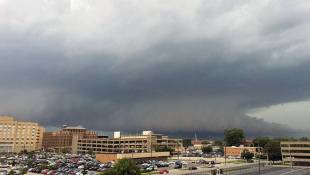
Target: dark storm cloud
{"points": [[176, 66]]}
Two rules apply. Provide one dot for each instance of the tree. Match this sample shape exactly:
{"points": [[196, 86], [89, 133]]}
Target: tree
{"points": [[24, 171], [218, 143], [65, 150], [90, 152], [164, 149], [24, 151], [205, 142], [110, 171], [124, 167], [304, 139], [187, 143], [273, 150], [233, 137], [247, 155], [261, 141], [11, 173], [84, 172], [206, 149]]}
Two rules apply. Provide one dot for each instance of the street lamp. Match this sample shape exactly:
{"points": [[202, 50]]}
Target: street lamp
{"points": [[259, 160], [225, 153]]}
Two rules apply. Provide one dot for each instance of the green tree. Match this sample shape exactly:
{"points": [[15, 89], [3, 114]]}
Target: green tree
{"points": [[247, 155], [124, 167], [90, 152], [110, 171], [205, 142], [304, 139], [206, 149], [23, 171], [233, 137], [24, 151], [273, 150], [218, 143], [164, 149], [11, 173], [84, 172], [261, 141], [187, 143]]}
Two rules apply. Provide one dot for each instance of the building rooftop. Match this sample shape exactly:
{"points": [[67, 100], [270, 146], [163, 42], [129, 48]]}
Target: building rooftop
{"points": [[74, 127], [6, 118]]}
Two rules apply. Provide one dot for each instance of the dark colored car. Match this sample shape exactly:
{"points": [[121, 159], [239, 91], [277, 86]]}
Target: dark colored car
{"points": [[192, 168]]}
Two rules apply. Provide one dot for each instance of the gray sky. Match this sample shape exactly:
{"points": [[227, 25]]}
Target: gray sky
{"points": [[174, 65]]}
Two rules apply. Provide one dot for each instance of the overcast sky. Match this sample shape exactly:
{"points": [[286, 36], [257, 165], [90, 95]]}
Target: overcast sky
{"points": [[177, 65]]}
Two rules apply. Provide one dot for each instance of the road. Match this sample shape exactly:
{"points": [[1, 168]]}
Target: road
{"points": [[274, 171], [250, 171]]}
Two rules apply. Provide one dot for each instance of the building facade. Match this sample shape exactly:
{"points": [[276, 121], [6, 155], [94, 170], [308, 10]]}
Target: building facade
{"points": [[296, 153], [138, 157], [61, 140], [16, 136], [142, 143], [233, 151]]}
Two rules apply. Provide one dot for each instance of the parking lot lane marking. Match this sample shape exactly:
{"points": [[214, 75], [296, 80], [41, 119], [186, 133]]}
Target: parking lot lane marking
{"points": [[294, 171]]}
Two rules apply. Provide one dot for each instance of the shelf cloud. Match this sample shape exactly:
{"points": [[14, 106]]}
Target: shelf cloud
{"points": [[162, 65]]}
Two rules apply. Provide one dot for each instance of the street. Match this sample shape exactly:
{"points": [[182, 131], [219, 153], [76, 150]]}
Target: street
{"points": [[274, 171]]}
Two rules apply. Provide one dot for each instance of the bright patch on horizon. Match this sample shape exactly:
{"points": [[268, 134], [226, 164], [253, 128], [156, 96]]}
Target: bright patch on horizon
{"points": [[295, 114]]}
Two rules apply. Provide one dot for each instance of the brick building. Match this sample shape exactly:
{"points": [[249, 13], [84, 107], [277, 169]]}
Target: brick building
{"points": [[61, 140]]}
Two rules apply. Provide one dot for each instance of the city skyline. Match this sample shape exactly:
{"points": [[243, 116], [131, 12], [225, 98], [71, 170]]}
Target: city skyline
{"points": [[177, 66]]}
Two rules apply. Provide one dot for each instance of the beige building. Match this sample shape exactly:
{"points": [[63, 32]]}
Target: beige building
{"points": [[108, 157], [16, 136], [142, 143], [296, 153]]}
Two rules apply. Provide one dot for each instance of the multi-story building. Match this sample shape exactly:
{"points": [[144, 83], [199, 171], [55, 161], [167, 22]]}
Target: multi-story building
{"points": [[233, 151], [143, 143], [296, 152], [61, 140], [16, 136]]}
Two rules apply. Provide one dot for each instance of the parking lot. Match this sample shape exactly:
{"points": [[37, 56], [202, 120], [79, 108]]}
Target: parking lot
{"points": [[55, 164], [50, 164], [69, 164]]}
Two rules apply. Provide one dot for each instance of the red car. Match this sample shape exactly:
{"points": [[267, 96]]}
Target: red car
{"points": [[45, 171], [163, 171]]}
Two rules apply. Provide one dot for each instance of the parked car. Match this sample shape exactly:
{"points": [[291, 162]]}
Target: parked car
{"points": [[163, 171], [192, 168]]}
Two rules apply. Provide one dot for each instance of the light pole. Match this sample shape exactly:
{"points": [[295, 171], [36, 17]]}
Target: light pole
{"points": [[178, 150], [259, 160], [225, 153], [259, 164], [151, 147], [289, 146]]}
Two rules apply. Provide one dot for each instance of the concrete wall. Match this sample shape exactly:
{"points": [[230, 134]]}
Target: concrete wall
{"points": [[104, 158]]}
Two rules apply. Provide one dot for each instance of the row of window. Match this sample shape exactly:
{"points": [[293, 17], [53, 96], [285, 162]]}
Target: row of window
{"points": [[111, 142], [111, 146], [109, 150]]}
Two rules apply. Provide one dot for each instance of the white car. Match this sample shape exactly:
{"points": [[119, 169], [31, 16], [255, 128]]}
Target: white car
{"points": [[81, 167]]}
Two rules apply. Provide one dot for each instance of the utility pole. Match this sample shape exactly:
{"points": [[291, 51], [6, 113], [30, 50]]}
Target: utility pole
{"points": [[267, 157], [225, 153], [289, 146], [178, 150], [259, 165], [259, 161], [151, 147]]}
